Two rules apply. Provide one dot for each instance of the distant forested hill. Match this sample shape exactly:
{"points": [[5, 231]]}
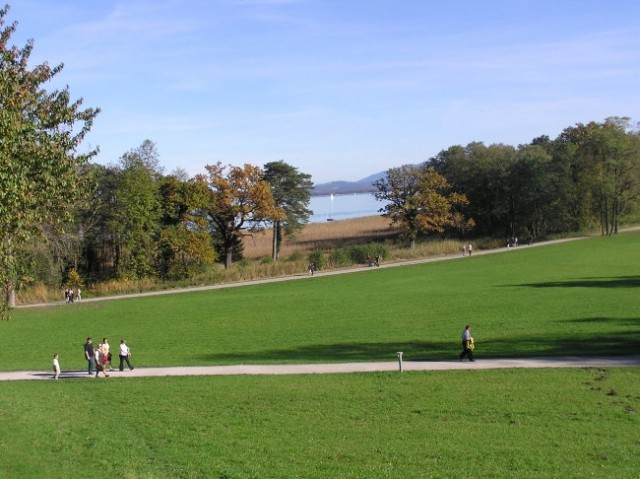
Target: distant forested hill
{"points": [[364, 185]]}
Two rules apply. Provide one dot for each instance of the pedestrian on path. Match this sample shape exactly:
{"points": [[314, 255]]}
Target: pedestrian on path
{"points": [[89, 354], [125, 355], [467, 344], [56, 367]]}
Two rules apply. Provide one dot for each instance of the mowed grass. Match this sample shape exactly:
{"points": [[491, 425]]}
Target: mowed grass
{"points": [[565, 299], [575, 298], [489, 424]]}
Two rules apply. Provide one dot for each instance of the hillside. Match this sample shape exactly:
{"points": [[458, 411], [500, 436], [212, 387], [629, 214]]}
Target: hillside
{"points": [[364, 185]]}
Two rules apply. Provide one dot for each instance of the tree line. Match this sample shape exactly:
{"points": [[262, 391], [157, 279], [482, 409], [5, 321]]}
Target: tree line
{"points": [[588, 177]]}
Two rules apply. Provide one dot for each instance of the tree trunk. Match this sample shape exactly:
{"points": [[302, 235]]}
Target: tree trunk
{"points": [[11, 295], [274, 241]]}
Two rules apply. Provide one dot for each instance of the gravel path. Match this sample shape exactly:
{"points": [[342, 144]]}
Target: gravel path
{"points": [[284, 369]]}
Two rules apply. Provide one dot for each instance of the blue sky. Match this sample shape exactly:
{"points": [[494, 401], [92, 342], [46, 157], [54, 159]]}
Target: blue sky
{"points": [[340, 89]]}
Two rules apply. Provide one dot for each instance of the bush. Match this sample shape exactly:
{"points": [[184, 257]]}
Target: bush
{"points": [[318, 258]]}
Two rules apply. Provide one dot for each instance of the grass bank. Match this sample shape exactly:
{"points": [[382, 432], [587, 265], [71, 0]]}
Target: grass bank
{"points": [[489, 424]]}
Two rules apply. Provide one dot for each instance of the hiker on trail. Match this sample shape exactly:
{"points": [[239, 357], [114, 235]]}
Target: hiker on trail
{"points": [[101, 360], [125, 354], [89, 354], [56, 367], [467, 344], [107, 354]]}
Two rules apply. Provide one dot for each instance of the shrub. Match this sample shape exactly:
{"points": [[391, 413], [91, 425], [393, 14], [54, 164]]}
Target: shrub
{"points": [[318, 258]]}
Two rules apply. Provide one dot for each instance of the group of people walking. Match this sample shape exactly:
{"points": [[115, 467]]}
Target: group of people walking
{"points": [[100, 358], [70, 295]]}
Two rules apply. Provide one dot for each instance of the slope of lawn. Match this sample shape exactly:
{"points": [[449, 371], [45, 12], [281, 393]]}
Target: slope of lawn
{"points": [[478, 424], [576, 298]]}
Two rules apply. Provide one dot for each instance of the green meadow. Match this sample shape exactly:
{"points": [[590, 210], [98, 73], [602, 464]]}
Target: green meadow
{"points": [[575, 298]]}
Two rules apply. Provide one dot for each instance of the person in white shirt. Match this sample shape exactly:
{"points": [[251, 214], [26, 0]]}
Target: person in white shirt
{"points": [[56, 367], [125, 354], [466, 343]]}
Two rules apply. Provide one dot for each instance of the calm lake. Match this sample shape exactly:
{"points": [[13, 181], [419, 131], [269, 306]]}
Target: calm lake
{"points": [[342, 207]]}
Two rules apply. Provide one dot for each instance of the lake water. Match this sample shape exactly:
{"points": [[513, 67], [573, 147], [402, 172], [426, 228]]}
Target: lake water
{"points": [[342, 207]]}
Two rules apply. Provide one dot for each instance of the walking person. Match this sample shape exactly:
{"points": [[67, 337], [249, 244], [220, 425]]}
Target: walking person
{"points": [[125, 354], [56, 367], [101, 361], [89, 354], [107, 354], [467, 344]]}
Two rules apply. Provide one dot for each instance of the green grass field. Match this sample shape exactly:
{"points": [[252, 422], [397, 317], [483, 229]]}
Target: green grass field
{"points": [[566, 299]]}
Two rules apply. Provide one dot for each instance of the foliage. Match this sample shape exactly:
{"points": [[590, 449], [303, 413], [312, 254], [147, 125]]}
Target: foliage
{"points": [[40, 135], [420, 201], [238, 198], [291, 191], [319, 259]]}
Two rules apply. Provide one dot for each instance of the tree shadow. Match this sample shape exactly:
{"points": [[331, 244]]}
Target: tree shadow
{"points": [[613, 282], [621, 343]]}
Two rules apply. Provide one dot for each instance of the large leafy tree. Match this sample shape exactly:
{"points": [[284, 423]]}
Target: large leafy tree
{"points": [[136, 213], [610, 155], [40, 166], [291, 191], [185, 244], [239, 198], [420, 201]]}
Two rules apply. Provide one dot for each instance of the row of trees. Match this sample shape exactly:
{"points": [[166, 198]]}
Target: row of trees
{"points": [[139, 223], [588, 176]]}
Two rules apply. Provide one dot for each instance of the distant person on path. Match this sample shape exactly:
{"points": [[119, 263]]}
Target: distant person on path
{"points": [[125, 354], [311, 268], [467, 342], [469, 248], [378, 259], [79, 295], [90, 354], [56, 367]]}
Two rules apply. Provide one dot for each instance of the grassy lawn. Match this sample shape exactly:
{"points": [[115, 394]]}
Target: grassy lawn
{"points": [[578, 298], [489, 424], [566, 299]]}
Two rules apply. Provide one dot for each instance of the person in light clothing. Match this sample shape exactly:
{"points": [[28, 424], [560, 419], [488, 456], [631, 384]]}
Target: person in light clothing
{"points": [[56, 367], [125, 354], [466, 343]]}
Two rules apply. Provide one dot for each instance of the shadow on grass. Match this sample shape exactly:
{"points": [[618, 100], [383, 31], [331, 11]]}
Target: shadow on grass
{"points": [[616, 282], [623, 343]]}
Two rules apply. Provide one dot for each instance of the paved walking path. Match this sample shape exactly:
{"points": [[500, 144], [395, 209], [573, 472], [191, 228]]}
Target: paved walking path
{"points": [[284, 369]]}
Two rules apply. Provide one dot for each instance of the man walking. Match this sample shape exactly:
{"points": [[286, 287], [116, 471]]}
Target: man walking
{"points": [[125, 354], [467, 341], [90, 354]]}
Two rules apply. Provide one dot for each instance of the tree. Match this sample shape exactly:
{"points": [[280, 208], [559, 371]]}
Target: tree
{"points": [[184, 244], [136, 212], [291, 191], [238, 199], [420, 201], [40, 133]]}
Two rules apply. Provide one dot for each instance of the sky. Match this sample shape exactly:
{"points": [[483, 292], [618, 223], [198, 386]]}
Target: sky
{"points": [[340, 89]]}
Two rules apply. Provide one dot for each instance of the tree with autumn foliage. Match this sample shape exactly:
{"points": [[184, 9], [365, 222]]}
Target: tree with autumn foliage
{"points": [[420, 201], [239, 199], [40, 135]]}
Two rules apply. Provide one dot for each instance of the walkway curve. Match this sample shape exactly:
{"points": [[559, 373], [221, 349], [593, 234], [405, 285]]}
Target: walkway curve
{"points": [[292, 369]]}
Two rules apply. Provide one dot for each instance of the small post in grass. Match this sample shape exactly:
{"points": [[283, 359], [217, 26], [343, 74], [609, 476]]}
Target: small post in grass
{"points": [[399, 353]]}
